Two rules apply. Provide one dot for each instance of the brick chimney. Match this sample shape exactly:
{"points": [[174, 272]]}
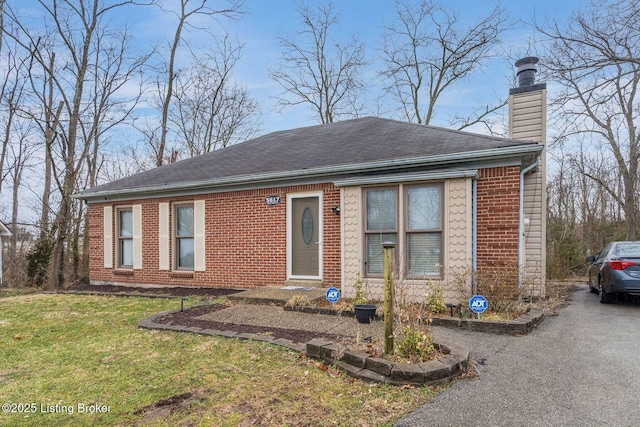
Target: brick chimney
{"points": [[528, 121]]}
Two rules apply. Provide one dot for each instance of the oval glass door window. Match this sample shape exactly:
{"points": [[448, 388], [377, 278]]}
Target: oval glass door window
{"points": [[307, 227]]}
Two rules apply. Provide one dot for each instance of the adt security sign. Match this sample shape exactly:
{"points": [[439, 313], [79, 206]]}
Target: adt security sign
{"points": [[478, 304], [333, 295]]}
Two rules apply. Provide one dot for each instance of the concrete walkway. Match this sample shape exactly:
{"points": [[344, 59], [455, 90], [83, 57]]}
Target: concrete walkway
{"points": [[581, 368]]}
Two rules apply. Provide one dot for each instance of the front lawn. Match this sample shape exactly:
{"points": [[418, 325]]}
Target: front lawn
{"points": [[81, 360]]}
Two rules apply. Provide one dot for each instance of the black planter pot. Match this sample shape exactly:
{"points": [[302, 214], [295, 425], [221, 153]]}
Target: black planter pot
{"points": [[364, 312]]}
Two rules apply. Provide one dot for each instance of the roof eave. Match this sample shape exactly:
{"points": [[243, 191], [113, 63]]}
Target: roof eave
{"points": [[238, 180], [4, 231]]}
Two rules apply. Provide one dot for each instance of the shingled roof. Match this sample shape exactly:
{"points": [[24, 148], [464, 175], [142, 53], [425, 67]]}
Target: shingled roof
{"points": [[331, 149]]}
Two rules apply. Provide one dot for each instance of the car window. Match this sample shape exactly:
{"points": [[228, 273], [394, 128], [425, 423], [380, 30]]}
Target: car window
{"points": [[627, 250], [605, 251]]}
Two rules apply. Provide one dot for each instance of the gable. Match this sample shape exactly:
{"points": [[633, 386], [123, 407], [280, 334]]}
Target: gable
{"points": [[4, 230]]}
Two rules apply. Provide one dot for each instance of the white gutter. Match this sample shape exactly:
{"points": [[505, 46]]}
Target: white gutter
{"points": [[322, 171], [406, 177], [521, 222]]}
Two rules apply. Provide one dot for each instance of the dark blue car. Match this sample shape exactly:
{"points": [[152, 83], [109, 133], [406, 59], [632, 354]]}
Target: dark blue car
{"points": [[615, 271]]}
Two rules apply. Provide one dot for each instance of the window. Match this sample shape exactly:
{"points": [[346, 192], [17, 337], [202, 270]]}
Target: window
{"points": [[125, 237], [418, 233], [424, 232], [184, 237], [381, 225]]}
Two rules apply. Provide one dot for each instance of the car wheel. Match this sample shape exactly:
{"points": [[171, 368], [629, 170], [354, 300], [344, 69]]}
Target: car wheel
{"points": [[605, 298]]}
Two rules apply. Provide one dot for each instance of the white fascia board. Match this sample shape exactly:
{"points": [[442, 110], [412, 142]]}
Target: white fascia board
{"points": [[320, 173], [407, 177]]}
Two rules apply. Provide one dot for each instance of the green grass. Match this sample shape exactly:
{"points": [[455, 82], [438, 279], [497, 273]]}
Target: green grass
{"points": [[70, 350]]}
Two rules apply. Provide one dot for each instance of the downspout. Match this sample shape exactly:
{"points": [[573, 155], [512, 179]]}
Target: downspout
{"points": [[474, 236], [521, 222]]}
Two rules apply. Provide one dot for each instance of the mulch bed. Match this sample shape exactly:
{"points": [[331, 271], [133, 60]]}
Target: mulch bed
{"points": [[188, 317]]}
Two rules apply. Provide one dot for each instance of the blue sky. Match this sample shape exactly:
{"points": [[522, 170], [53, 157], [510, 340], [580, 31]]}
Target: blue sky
{"points": [[263, 21], [266, 20]]}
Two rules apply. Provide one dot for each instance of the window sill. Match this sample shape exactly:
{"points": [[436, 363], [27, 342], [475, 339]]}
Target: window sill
{"points": [[181, 274], [122, 272]]}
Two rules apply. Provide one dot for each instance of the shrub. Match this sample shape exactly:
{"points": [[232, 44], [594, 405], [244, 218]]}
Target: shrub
{"points": [[436, 299], [415, 344], [298, 301], [38, 262], [360, 298]]}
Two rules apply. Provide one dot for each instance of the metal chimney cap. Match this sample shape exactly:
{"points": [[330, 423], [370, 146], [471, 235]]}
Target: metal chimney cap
{"points": [[527, 60], [527, 71]]}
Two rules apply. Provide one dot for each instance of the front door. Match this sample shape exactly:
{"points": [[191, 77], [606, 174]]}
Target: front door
{"points": [[305, 231]]}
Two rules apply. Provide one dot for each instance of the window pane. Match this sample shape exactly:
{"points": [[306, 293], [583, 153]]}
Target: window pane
{"points": [[381, 209], [185, 253], [184, 220], [375, 251], [307, 227], [126, 223], [126, 252], [423, 207], [424, 253]]}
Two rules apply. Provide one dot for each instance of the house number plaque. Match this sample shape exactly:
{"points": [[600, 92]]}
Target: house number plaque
{"points": [[272, 200]]}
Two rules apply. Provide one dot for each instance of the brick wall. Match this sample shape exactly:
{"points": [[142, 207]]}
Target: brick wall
{"points": [[497, 209], [245, 240]]}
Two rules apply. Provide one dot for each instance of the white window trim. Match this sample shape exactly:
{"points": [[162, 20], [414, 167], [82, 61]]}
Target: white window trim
{"points": [[290, 197], [136, 236], [401, 227], [174, 237], [118, 250], [199, 241]]}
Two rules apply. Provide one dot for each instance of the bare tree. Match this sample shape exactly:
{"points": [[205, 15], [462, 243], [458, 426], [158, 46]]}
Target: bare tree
{"points": [[17, 146], [318, 71], [11, 89], [22, 150], [110, 69], [426, 51], [1, 23], [76, 30], [211, 110], [582, 217], [189, 10], [596, 60]]}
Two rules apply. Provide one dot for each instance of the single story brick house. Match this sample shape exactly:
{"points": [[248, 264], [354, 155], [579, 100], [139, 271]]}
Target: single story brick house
{"points": [[313, 205]]}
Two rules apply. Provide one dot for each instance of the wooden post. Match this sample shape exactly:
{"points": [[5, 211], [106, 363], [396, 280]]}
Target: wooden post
{"points": [[388, 296]]}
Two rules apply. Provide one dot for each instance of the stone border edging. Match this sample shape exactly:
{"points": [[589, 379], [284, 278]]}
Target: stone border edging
{"points": [[520, 326], [149, 323], [327, 311], [361, 365], [355, 363]]}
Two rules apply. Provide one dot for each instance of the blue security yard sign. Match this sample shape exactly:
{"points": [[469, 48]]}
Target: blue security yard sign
{"points": [[478, 304], [333, 295]]}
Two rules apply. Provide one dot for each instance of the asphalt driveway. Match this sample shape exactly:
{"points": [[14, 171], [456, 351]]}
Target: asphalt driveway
{"points": [[579, 368]]}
